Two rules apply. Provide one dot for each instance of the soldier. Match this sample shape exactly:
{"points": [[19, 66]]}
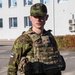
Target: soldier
{"points": [[31, 44]]}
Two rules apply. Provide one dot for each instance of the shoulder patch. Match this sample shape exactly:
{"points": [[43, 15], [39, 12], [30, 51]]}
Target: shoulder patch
{"points": [[12, 55]]}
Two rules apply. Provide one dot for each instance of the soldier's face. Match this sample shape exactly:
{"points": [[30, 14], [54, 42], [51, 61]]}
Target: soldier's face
{"points": [[38, 21]]}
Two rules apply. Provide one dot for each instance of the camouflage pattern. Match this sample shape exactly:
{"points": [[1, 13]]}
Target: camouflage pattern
{"points": [[20, 49], [43, 49], [33, 47], [38, 9]]}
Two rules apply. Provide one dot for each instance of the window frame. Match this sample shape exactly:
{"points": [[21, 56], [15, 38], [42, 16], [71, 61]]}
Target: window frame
{"points": [[12, 3], [26, 2], [1, 23], [0, 3], [62, 1], [27, 22], [13, 22], [43, 1]]}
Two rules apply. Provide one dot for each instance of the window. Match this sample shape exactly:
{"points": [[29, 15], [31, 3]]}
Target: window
{"points": [[27, 22], [12, 22], [62, 1], [28, 2], [0, 3], [12, 3], [45, 1], [1, 23]]}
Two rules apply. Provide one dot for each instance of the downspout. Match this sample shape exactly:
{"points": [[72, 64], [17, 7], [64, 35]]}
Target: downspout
{"points": [[54, 17]]}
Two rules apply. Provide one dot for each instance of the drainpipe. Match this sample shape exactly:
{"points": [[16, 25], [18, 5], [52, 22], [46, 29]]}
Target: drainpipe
{"points": [[54, 17]]}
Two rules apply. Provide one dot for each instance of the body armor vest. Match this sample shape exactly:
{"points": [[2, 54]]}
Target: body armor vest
{"points": [[43, 49], [43, 56]]}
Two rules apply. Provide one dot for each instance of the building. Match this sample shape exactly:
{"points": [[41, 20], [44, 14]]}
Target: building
{"points": [[14, 17]]}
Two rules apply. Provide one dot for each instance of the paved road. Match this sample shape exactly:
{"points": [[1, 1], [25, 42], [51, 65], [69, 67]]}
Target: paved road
{"points": [[70, 63], [5, 50]]}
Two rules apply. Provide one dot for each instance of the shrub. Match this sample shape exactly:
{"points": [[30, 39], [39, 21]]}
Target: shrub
{"points": [[66, 42]]}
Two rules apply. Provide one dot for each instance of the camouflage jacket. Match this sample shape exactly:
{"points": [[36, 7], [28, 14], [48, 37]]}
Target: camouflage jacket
{"points": [[21, 47]]}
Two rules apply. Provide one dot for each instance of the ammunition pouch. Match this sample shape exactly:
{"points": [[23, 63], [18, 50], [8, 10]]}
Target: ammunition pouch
{"points": [[39, 68], [22, 64]]}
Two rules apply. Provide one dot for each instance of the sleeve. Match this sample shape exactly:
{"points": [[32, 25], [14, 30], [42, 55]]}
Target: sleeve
{"points": [[19, 49]]}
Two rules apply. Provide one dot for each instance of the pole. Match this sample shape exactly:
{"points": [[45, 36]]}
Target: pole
{"points": [[54, 16]]}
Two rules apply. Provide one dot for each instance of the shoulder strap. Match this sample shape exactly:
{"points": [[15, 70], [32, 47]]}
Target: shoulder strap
{"points": [[53, 41]]}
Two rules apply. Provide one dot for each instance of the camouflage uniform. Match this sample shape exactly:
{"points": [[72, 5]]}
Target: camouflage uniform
{"points": [[22, 47], [28, 44]]}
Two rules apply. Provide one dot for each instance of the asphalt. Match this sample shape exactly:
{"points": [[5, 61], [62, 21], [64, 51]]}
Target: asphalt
{"points": [[5, 49]]}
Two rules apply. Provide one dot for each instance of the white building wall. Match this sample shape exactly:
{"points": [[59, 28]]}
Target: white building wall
{"points": [[63, 12], [59, 15], [20, 11]]}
